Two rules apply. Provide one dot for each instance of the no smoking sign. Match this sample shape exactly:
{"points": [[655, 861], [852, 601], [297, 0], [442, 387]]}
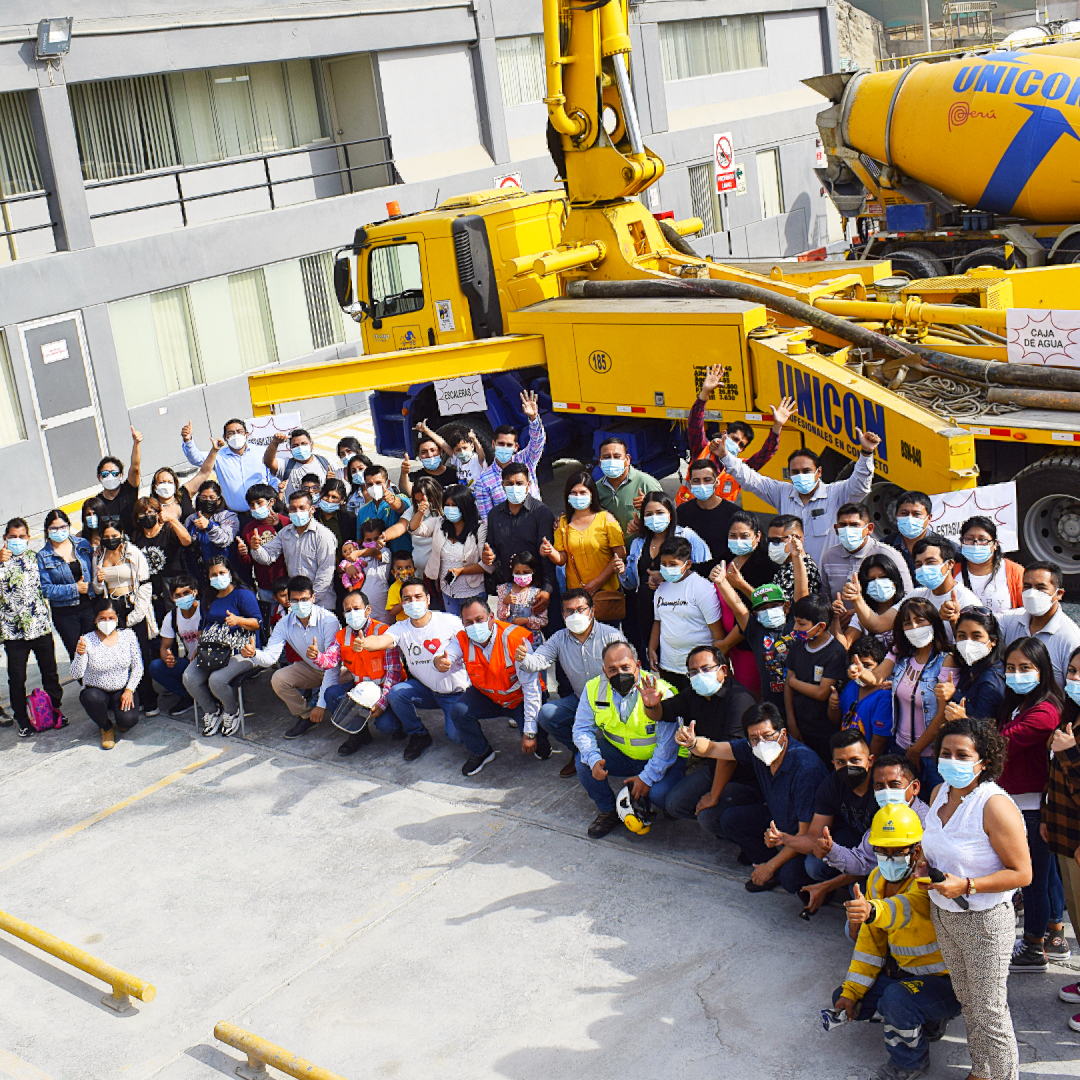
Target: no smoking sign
{"points": [[724, 162]]}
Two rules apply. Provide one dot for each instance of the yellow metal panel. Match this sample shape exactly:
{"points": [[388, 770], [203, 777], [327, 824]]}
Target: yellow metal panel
{"points": [[1046, 286], [383, 370]]}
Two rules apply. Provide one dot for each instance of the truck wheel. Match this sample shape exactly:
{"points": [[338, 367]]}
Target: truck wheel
{"points": [[984, 256], [1049, 512], [914, 263], [882, 504]]}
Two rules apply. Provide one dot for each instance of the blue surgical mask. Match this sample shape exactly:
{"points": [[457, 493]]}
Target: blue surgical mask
{"points": [[772, 617], [260, 513], [1022, 682], [612, 466], [478, 632], [17, 545], [732, 448], [300, 517], [302, 608], [702, 491], [957, 774], [415, 609], [431, 463], [515, 493], [90, 521], [880, 589], [464, 457], [328, 507], [977, 553], [705, 683], [1072, 688], [503, 454], [930, 575], [58, 536], [302, 452], [451, 512], [672, 573], [804, 483], [347, 457], [910, 526], [894, 869], [740, 545], [657, 523], [355, 619], [851, 536], [358, 479], [220, 581], [580, 502], [186, 602], [891, 796]]}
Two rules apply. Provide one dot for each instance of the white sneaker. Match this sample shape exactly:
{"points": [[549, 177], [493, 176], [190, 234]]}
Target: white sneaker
{"points": [[230, 723], [209, 723]]}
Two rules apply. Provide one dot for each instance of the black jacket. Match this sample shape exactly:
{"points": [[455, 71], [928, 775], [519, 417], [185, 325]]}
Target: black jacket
{"points": [[509, 534]]}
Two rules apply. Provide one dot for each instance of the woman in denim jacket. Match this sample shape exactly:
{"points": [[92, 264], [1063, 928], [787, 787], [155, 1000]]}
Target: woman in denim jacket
{"points": [[64, 566]]}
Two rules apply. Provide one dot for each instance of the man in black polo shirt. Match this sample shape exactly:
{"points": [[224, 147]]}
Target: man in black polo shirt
{"points": [[715, 705], [515, 526], [707, 514]]}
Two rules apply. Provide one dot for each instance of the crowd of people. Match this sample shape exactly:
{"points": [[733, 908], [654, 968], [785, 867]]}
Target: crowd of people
{"points": [[883, 723]]}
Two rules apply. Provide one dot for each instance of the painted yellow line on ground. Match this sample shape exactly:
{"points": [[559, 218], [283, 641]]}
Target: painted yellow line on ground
{"points": [[11, 1066], [121, 805]]}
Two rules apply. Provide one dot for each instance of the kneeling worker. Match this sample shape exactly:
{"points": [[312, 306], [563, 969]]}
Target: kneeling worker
{"points": [[618, 731], [916, 1000]]}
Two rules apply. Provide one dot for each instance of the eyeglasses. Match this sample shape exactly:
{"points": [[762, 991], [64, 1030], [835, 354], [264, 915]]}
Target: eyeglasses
{"points": [[755, 739], [975, 543]]}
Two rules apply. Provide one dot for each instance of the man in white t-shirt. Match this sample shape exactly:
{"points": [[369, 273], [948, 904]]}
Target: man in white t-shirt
{"points": [[422, 636], [935, 571], [183, 622], [687, 612]]}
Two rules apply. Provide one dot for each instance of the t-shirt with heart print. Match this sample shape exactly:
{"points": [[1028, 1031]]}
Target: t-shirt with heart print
{"points": [[420, 645]]}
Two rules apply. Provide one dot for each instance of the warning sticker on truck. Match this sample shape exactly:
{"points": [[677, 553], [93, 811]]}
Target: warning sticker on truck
{"points": [[728, 390]]}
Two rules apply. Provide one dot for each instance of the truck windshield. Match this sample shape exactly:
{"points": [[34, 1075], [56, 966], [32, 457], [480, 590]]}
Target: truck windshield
{"points": [[395, 283]]}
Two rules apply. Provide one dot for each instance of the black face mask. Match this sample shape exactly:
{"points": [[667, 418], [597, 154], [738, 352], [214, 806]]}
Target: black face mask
{"points": [[148, 521], [852, 775], [623, 683], [207, 506], [111, 543]]}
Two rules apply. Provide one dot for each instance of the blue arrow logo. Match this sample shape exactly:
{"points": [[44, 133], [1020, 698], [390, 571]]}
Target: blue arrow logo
{"points": [[1024, 155]]}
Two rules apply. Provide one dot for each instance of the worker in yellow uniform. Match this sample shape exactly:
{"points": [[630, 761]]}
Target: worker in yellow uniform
{"points": [[897, 974]]}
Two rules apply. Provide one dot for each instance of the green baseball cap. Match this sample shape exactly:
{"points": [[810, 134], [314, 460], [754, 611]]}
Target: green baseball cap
{"points": [[766, 594]]}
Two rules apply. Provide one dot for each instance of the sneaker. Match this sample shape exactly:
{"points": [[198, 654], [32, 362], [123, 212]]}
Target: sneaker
{"points": [[416, 745], [181, 707], [1027, 956], [5, 720], [209, 723], [543, 748], [889, 1071], [753, 886], [475, 764], [603, 824], [230, 723], [1074, 1022], [302, 726], [1057, 946], [354, 742], [151, 712], [108, 741], [25, 732], [1070, 993], [64, 721]]}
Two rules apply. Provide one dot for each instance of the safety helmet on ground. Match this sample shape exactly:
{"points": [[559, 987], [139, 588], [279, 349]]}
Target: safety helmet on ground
{"points": [[636, 814], [895, 826]]}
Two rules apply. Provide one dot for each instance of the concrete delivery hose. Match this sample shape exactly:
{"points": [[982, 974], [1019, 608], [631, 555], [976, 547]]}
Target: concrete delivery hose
{"points": [[985, 372]]}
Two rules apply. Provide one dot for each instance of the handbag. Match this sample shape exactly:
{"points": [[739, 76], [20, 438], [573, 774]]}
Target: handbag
{"points": [[609, 605], [217, 645]]}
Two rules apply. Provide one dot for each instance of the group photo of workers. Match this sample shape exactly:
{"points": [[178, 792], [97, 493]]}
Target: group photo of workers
{"points": [[885, 725]]}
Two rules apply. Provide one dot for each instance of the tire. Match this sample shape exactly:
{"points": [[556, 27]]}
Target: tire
{"points": [[915, 263], [881, 502], [1069, 252], [477, 422], [1049, 512], [984, 256]]}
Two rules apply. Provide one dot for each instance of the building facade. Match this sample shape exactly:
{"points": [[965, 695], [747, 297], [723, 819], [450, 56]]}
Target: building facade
{"points": [[173, 187]]}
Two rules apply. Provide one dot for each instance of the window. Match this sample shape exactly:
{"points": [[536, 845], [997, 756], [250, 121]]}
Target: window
{"points": [[396, 285], [709, 46], [251, 312], [324, 315], [11, 421], [770, 186], [128, 126], [702, 195], [18, 159], [521, 69]]}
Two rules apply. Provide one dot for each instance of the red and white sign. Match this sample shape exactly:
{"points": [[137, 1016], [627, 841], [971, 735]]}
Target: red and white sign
{"points": [[821, 160], [1043, 336], [508, 180], [724, 161]]}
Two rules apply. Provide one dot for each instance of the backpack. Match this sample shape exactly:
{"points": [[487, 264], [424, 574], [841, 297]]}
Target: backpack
{"points": [[292, 464], [40, 711]]}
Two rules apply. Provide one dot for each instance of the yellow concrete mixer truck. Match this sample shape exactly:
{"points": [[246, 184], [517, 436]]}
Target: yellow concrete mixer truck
{"points": [[948, 164], [583, 296]]}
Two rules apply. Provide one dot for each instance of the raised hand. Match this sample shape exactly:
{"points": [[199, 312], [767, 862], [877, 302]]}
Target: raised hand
{"points": [[406, 465], [794, 545], [313, 649], [868, 440], [488, 558], [858, 910], [256, 540], [530, 404], [80, 649], [650, 692], [950, 610], [838, 605], [136, 436], [186, 432], [241, 547], [1062, 739], [632, 527], [219, 444], [546, 548], [441, 663], [823, 844], [248, 651], [421, 506], [714, 377], [851, 590], [686, 736], [718, 573], [639, 498], [520, 653], [781, 413], [201, 521], [944, 691]]}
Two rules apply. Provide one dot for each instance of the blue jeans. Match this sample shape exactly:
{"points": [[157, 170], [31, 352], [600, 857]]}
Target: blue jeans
{"points": [[170, 678], [387, 723], [618, 764], [1044, 898], [479, 706], [453, 604], [411, 695], [557, 719], [906, 1006], [744, 824]]}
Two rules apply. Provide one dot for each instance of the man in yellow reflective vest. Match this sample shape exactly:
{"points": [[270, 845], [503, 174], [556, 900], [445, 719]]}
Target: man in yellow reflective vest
{"points": [[615, 736]]}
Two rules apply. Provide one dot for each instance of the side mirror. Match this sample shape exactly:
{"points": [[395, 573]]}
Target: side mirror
{"points": [[343, 282]]}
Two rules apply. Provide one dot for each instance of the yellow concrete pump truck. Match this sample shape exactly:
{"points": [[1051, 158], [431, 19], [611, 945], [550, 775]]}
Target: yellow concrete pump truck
{"points": [[582, 295]]}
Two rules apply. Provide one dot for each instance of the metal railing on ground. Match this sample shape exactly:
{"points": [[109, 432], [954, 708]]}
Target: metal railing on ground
{"points": [[261, 1053]]}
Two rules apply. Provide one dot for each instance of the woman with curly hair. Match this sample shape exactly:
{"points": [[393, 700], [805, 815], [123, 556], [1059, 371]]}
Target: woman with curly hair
{"points": [[975, 837]]}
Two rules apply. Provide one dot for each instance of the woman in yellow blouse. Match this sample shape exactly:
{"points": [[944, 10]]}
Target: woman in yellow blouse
{"points": [[588, 540]]}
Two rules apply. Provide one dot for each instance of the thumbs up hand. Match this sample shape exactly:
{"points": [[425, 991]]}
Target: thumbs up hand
{"points": [[859, 909], [248, 651], [186, 432], [773, 836], [313, 649], [488, 558], [851, 590], [950, 610], [823, 844], [839, 607]]}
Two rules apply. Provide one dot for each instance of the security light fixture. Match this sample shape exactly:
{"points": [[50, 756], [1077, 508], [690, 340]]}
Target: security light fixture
{"points": [[54, 38]]}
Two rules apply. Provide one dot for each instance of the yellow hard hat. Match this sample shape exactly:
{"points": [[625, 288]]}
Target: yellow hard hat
{"points": [[895, 826]]}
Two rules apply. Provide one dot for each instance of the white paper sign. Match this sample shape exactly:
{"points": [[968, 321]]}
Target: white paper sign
{"points": [[740, 181], [52, 351], [821, 161], [1041, 336], [724, 162], [444, 311], [508, 180], [456, 396], [262, 428], [995, 501]]}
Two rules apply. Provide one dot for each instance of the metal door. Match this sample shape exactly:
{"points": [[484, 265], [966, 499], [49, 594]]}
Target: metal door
{"points": [[65, 402]]}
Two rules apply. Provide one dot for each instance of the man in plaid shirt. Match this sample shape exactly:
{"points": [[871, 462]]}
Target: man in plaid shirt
{"points": [[488, 488]]}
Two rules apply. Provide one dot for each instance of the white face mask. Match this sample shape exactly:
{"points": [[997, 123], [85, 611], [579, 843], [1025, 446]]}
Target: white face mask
{"points": [[237, 441], [778, 552], [165, 491], [107, 626], [1036, 602], [577, 622], [920, 636], [111, 483], [376, 492], [972, 651], [767, 751]]}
